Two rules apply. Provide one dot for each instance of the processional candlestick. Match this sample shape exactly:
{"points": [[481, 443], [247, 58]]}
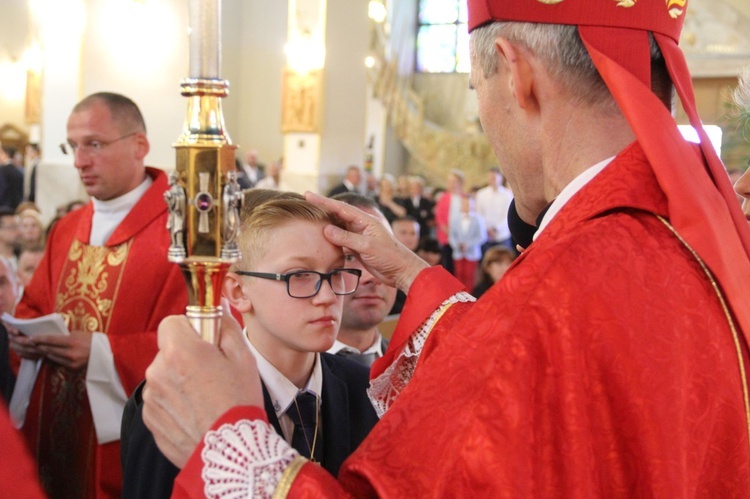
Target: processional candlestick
{"points": [[204, 198]]}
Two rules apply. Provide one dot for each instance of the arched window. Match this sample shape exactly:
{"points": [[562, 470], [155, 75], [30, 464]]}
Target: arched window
{"points": [[442, 37]]}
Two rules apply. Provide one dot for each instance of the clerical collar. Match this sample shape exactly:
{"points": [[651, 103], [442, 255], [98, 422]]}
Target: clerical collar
{"points": [[569, 191], [280, 389], [108, 214], [124, 202]]}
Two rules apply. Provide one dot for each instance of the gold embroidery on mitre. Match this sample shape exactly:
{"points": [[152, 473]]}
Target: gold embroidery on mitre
{"points": [[550, 2], [626, 3], [676, 7], [89, 285]]}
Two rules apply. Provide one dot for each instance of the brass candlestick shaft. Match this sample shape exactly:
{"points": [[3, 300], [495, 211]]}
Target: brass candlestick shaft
{"points": [[204, 197]]}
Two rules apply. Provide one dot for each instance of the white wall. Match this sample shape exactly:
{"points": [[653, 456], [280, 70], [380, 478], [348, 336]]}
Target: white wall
{"points": [[255, 93], [343, 137], [13, 31], [140, 49]]}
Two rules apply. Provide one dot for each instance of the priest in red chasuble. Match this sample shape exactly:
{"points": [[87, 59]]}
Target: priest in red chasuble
{"points": [[105, 270], [611, 360]]}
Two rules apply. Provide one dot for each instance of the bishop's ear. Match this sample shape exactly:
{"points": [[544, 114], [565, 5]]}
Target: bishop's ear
{"points": [[515, 60], [233, 291]]}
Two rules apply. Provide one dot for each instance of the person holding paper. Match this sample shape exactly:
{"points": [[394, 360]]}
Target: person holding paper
{"points": [[105, 270]]}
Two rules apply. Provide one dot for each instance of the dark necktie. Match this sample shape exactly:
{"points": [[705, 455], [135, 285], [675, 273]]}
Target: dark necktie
{"points": [[304, 414], [363, 358]]}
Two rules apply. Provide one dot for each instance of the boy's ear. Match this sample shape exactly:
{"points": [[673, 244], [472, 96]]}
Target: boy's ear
{"points": [[233, 292]]}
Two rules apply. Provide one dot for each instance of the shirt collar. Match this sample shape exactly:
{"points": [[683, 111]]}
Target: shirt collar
{"points": [[569, 191], [280, 389], [376, 347]]}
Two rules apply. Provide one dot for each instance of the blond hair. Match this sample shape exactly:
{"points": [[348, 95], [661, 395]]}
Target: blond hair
{"points": [[263, 210]]}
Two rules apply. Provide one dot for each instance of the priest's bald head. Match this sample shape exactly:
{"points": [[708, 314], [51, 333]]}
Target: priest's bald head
{"points": [[106, 135]]}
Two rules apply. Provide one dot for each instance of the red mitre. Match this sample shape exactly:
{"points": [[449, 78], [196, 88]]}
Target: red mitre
{"points": [[703, 207]]}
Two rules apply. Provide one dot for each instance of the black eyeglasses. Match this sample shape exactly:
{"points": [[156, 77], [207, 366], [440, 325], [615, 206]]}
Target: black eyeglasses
{"points": [[92, 147], [306, 283]]}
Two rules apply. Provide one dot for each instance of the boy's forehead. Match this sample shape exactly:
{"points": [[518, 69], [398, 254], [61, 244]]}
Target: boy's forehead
{"points": [[296, 242]]}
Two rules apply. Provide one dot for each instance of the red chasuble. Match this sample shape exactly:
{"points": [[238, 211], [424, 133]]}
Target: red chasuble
{"points": [[17, 470], [122, 289], [603, 364]]}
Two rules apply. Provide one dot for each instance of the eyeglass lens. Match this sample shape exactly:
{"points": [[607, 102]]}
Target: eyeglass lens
{"points": [[305, 284]]}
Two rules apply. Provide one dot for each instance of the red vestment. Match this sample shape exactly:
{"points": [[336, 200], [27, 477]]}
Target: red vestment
{"points": [[603, 364], [17, 470], [122, 289]]}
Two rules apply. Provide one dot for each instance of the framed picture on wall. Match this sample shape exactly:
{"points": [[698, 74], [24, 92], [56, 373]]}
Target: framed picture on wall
{"points": [[302, 102]]}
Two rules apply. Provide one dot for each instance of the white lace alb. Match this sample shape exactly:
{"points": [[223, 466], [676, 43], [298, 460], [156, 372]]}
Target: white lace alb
{"points": [[244, 459], [385, 389]]}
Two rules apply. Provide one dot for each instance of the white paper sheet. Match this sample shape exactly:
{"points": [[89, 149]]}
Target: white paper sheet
{"points": [[27, 373]]}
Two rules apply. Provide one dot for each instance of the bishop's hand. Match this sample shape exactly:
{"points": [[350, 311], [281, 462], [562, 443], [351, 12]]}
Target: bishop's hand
{"points": [[383, 255], [191, 383]]}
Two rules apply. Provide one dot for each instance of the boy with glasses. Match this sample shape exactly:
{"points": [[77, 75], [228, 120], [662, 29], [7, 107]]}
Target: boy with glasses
{"points": [[289, 287]]}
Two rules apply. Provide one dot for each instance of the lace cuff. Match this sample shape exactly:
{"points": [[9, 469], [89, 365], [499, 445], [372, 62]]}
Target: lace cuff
{"points": [[244, 459], [385, 389]]}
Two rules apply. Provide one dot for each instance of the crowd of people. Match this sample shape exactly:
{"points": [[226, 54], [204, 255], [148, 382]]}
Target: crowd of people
{"points": [[455, 222], [604, 354]]}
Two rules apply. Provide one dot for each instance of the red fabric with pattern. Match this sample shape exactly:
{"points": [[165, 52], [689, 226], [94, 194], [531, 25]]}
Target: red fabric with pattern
{"points": [[601, 365]]}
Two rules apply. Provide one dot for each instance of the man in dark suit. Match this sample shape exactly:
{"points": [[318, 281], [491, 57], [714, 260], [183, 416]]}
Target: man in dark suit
{"points": [[419, 207], [33, 158], [12, 172], [349, 184], [359, 337]]}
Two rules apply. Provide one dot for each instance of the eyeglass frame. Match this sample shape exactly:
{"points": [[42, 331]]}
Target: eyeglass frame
{"points": [[93, 147], [322, 276]]}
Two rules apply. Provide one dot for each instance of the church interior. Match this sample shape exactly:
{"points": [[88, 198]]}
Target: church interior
{"points": [[322, 83], [612, 354]]}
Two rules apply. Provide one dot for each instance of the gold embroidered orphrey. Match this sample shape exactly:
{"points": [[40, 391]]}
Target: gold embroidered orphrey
{"points": [[676, 8], [89, 285]]}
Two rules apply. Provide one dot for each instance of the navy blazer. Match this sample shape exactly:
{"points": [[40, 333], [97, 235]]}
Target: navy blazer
{"points": [[346, 412]]}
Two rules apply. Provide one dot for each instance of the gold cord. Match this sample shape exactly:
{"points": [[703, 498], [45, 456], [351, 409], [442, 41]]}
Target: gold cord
{"points": [[727, 314]]}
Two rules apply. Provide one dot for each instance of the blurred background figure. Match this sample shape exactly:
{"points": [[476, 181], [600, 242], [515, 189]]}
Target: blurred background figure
{"points": [[8, 286], [351, 182], [250, 171], [28, 262], [31, 229], [8, 233], [418, 206], [493, 202], [273, 179], [402, 186], [12, 174], [371, 185], [33, 158], [63, 210], [467, 234], [447, 210], [429, 251], [406, 230], [390, 205], [496, 261]]}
